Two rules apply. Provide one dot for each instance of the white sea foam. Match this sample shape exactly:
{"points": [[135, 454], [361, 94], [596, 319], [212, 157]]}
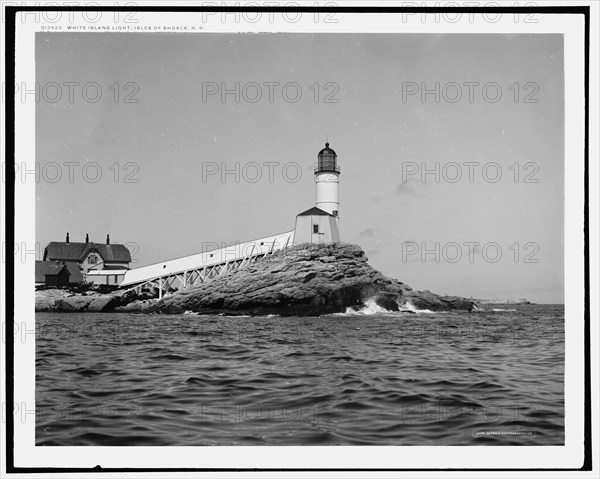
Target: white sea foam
{"points": [[370, 308], [410, 308]]}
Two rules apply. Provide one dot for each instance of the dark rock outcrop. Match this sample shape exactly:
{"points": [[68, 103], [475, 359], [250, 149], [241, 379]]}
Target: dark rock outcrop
{"points": [[137, 306], [66, 301], [304, 280]]}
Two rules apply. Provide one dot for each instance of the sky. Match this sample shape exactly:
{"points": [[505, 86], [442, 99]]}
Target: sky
{"points": [[162, 193]]}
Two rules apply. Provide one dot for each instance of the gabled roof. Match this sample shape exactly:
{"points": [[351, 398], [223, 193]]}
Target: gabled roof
{"points": [[314, 211], [43, 268], [74, 271], [60, 251]]}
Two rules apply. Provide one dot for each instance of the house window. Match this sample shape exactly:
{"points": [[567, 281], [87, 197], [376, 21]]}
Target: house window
{"points": [[92, 259], [315, 228]]}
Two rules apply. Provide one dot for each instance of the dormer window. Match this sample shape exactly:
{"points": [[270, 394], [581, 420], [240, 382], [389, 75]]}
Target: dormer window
{"points": [[93, 259]]}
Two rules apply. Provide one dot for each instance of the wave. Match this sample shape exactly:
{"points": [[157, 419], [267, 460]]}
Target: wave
{"points": [[371, 308], [408, 307], [493, 310], [202, 381]]}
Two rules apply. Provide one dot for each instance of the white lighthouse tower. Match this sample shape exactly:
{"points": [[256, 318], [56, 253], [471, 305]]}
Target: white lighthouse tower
{"points": [[327, 178], [320, 224]]}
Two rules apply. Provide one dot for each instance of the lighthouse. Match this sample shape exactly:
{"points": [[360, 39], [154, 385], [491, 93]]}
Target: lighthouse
{"points": [[327, 178], [320, 224], [316, 225]]}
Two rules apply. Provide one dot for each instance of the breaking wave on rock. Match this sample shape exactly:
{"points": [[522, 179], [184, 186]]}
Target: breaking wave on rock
{"points": [[408, 307], [371, 308]]}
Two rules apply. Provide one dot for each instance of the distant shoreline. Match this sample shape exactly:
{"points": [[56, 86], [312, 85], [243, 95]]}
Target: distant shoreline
{"points": [[502, 301]]}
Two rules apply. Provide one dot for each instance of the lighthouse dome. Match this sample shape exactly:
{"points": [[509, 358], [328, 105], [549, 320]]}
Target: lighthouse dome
{"points": [[327, 161], [327, 151]]}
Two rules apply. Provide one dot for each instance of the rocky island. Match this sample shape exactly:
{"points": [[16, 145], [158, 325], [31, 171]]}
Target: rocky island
{"points": [[305, 280]]}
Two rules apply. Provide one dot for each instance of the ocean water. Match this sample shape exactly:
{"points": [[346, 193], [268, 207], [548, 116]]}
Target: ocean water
{"points": [[491, 377]]}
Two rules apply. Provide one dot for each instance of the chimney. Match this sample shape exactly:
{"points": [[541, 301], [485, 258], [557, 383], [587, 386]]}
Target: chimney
{"points": [[87, 238], [107, 239], [67, 238]]}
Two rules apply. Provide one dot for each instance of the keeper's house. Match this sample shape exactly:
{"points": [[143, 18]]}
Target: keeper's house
{"points": [[98, 263]]}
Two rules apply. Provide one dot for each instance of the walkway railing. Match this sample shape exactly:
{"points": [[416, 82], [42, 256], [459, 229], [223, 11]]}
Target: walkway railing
{"points": [[188, 271]]}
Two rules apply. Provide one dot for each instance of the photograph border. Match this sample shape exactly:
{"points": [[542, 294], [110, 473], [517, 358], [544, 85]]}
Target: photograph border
{"points": [[10, 58]]}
